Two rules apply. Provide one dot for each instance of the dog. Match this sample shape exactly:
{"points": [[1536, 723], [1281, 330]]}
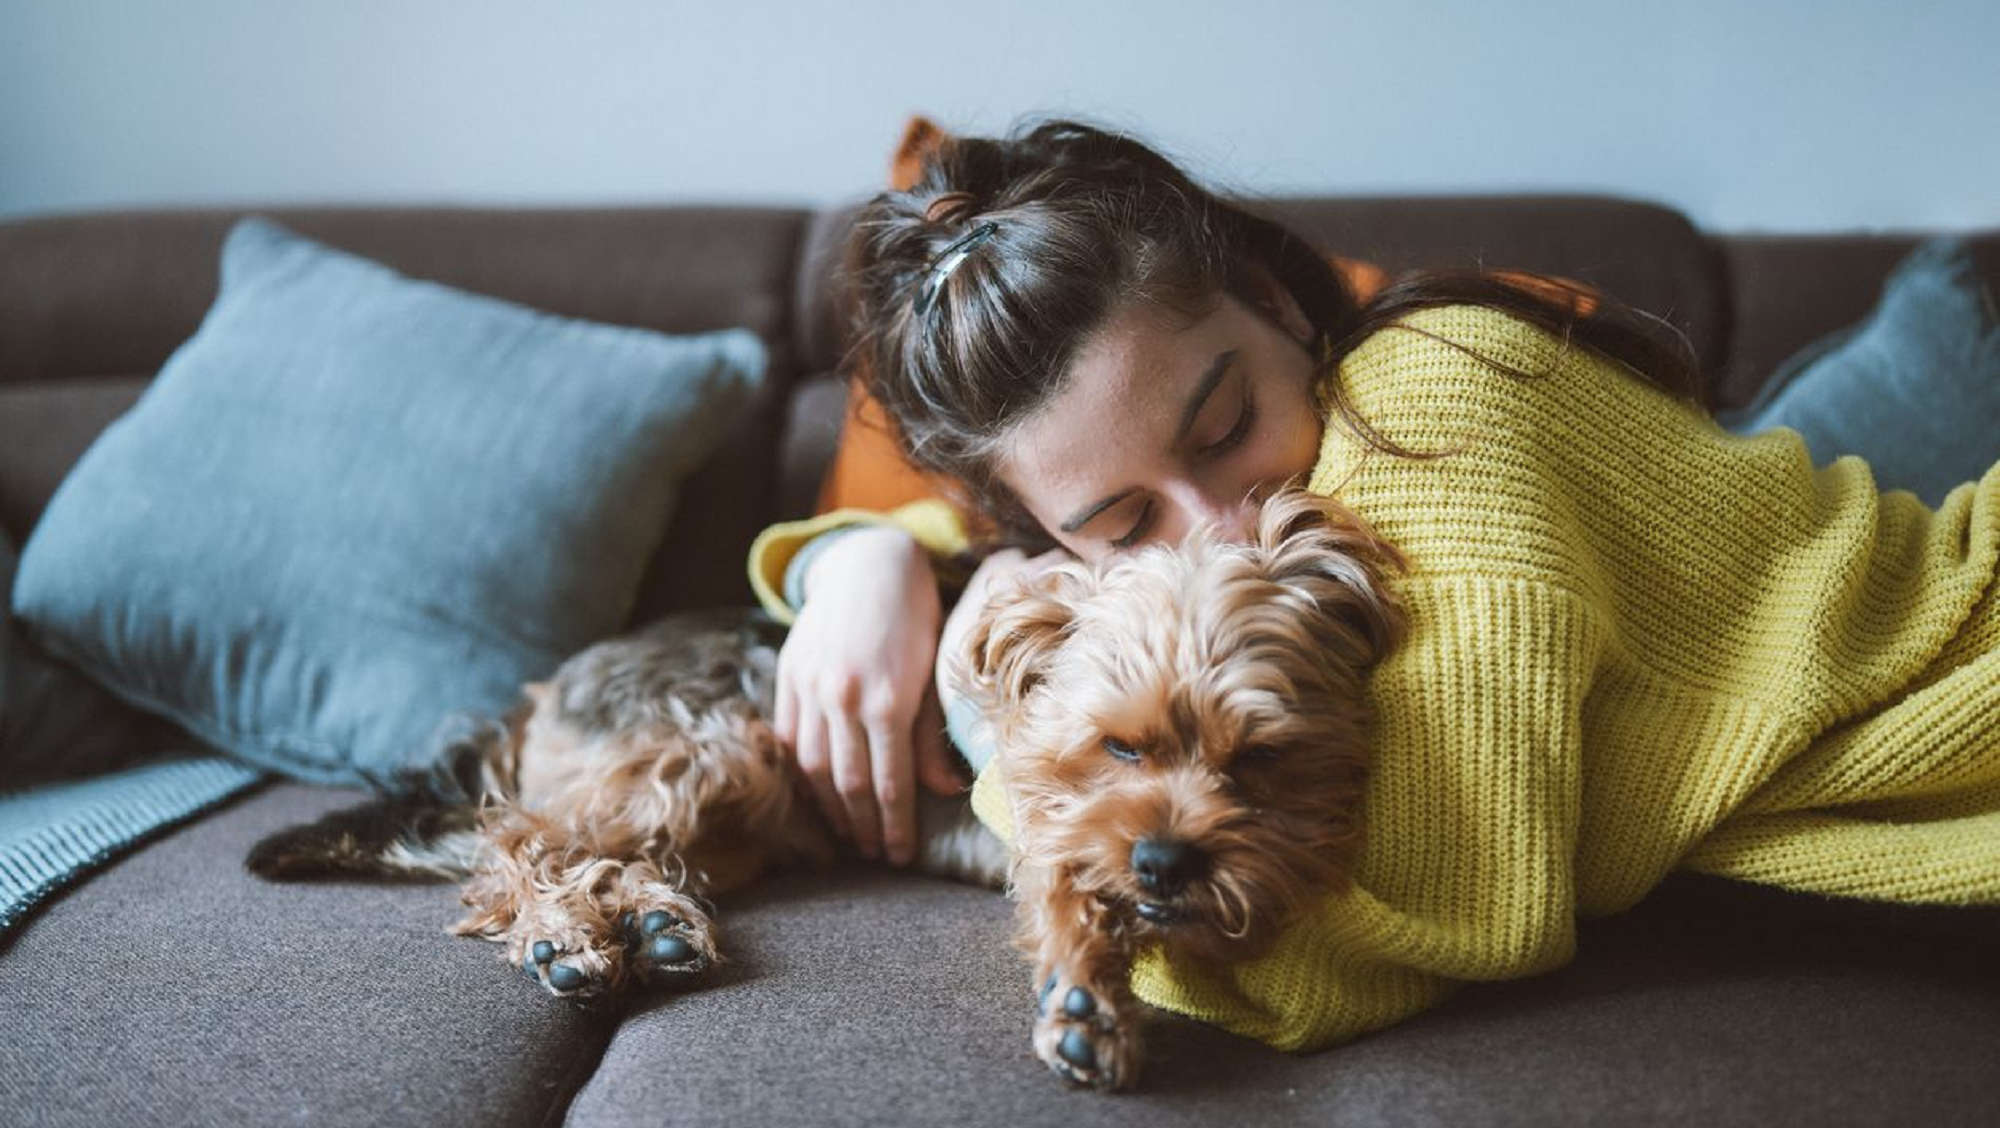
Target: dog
{"points": [[1180, 735], [594, 825], [1184, 745]]}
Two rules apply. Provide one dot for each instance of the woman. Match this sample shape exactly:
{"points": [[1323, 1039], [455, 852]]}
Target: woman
{"points": [[1105, 355]]}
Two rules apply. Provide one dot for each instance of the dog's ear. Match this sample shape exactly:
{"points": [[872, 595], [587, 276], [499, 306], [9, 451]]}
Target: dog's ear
{"points": [[1004, 654], [1325, 552]]}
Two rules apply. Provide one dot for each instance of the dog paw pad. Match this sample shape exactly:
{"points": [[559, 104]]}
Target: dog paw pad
{"points": [[669, 950], [544, 951], [1079, 1003], [1076, 1049], [657, 921], [563, 977]]}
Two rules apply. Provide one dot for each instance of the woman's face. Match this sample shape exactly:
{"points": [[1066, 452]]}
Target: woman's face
{"points": [[1164, 424]]}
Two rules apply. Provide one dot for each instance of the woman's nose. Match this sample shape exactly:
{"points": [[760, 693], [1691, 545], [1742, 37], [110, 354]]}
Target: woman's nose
{"points": [[1234, 520]]}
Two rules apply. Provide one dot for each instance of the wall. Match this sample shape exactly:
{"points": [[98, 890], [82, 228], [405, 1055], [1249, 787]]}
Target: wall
{"points": [[1784, 115]]}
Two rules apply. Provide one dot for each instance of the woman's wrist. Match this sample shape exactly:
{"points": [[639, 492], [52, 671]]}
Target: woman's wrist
{"points": [[866, 547]]}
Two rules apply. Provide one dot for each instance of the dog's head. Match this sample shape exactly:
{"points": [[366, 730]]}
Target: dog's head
{"points": [[1182, 729]]}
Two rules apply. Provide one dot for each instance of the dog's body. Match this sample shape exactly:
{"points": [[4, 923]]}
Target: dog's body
{"points": [[1180, 733], [595, 823]]}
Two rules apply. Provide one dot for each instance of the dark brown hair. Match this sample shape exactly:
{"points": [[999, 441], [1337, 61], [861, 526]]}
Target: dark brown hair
{"points": [[1087, 219]]}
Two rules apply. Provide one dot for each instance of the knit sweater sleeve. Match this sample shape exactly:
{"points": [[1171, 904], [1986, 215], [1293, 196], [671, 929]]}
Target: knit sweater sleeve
{"points": [[1474, 804], [934, 524]]}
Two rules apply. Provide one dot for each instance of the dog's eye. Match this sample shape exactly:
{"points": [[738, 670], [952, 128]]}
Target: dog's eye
{"points": [[1121, 750]]}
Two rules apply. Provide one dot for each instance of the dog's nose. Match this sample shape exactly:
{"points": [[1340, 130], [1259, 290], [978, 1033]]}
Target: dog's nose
{"points": [[1164, 865]]}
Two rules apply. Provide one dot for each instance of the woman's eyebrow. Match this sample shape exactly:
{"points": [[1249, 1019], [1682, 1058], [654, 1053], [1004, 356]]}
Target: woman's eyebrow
{"points": [[1202, 390], [1205, 387]]}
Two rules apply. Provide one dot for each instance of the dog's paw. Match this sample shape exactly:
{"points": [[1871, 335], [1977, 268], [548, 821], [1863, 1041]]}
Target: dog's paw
{"points": [[668, 942], [1083, 1036], [570, 967]]}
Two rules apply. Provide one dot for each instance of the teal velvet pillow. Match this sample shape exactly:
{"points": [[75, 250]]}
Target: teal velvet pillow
{"points": [[1914, 390], [354, 505]]}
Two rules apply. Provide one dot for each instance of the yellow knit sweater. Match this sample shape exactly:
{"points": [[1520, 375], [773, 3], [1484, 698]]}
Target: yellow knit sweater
{"points": [[1637, 643]]}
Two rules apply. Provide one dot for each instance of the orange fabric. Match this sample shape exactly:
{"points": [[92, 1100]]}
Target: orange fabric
{"points": [[869, 471]]}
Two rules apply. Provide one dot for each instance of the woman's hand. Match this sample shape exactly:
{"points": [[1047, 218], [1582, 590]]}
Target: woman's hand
{"points": [[854, 700]]}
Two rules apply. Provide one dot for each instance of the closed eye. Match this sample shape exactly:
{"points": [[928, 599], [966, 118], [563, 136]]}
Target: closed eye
{"points": [[1140, 527], [1245, 420], [1237, 433]]}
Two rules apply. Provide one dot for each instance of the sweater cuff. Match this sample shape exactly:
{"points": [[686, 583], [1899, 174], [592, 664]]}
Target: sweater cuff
{"points": [[933, 523], [795, 572]]}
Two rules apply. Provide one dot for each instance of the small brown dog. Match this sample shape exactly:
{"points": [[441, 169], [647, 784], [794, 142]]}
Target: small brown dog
{"points": [[1183, 743], [1180, 735], [595, 823]]}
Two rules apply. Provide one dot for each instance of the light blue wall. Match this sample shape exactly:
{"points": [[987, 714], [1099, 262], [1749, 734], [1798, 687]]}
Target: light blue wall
{"points": [[1785, 115]]}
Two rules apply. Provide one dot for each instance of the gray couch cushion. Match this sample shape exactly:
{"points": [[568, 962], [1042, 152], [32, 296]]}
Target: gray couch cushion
{"points": [[861, 997], [176, 989]]}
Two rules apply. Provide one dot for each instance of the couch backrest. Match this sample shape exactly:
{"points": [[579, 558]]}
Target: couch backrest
{"points": [[91, 305]]}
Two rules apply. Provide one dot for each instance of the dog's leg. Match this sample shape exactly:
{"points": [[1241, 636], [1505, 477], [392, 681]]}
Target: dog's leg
{"points": [[544, 891], [667, 931], [1087, 1023]]}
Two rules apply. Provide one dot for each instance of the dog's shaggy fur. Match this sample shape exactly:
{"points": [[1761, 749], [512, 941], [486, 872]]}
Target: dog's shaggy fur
{"points": [[1184, 745], [1180, 734], [594, 825]]}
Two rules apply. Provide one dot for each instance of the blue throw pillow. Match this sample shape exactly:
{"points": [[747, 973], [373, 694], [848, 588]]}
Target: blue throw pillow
{"points": [[355, 504], [57, 724], [1914, 390]]}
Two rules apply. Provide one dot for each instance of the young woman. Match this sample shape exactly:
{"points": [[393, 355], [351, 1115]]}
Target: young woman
{"points": [[1104, 354]]}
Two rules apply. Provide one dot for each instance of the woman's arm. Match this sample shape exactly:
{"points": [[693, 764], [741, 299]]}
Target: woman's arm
{"points": [[854, 703]]}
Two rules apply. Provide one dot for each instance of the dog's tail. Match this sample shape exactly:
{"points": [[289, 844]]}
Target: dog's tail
{"points": [[423, 826]]}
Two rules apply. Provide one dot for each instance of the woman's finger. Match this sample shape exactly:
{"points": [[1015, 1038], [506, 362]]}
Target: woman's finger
{"points": [[785, 710], [816, 766], [854, 781], [894, 773], [937, 763]]}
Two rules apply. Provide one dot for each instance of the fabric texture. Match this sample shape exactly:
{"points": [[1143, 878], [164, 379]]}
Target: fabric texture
{"points": [[51, 835], [356, 504], [1686, 1011], [1914, 389], [177, 988], [1799, 687], [57, 727]]}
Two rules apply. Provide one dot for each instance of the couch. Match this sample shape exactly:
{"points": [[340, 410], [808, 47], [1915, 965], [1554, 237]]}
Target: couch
{"points": [[170, 987]]}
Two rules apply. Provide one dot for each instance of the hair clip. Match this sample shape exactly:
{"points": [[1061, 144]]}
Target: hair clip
{"points": [[948, 259]]}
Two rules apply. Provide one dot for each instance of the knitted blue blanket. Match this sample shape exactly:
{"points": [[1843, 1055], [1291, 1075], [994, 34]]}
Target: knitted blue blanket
{"points": [[52, 835]]}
